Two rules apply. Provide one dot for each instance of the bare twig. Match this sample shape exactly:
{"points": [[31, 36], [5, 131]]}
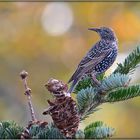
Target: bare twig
{"points": [[24, 76]]}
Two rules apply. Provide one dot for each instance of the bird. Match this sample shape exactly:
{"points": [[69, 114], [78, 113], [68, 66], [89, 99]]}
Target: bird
{"points": [[98, 59]]}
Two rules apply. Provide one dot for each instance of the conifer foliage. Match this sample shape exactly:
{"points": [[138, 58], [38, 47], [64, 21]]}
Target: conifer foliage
{"points": [[67, 113]]}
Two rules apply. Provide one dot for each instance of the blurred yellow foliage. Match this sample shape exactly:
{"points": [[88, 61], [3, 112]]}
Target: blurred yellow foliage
{"points": [[127, 25]]}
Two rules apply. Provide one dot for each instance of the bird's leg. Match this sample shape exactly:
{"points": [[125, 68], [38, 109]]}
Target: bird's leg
{"points": [[98, 84], [95, 81]]}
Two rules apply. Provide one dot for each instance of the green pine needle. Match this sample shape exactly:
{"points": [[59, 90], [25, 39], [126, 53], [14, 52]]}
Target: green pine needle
{"points": [[86, 82], [83, 84], [98, 130], [114, 81], [48, 132], [88, 99], [93, 125], [130, 63], [53, 132], [10, 130], [124, 93], [85, 98], [79, 135]]}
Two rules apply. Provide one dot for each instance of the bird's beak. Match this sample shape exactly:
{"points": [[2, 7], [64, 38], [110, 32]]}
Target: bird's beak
{"points": [[94, 29]]}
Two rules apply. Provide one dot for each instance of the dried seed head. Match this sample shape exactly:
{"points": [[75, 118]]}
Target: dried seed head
{"points": [[23, 74]]}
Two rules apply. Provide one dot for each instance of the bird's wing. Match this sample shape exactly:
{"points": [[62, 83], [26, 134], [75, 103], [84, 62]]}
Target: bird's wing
{"points": [[92, 58]]}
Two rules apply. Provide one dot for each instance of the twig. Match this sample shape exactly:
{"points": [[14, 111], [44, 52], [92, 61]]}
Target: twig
{"points": [[23, 76]]}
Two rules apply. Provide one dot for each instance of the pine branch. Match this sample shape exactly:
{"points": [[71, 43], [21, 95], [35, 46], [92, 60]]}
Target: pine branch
{"points": [[123, 93], [83, 84], [79, 134], [98, 130], [114, 81], [41, 130], [130, 63], [35, 130], [85, 97], [95, 124], [48, 132], [87, 82], [10, 130], [53, 132], [90, 98], [87, 100]]}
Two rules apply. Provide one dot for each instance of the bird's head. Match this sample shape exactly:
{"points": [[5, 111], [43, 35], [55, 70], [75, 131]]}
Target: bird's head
{"points": [[105, 33]]}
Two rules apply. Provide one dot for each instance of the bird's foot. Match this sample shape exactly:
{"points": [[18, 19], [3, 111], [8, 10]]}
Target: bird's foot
{"points": [[95, 81]]}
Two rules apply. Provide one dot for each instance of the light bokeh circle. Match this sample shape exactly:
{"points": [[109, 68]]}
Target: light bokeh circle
{"points": [[57, 18]]}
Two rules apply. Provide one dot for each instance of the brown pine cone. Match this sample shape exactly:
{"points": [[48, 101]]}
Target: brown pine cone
{"points": [[63, 109]]}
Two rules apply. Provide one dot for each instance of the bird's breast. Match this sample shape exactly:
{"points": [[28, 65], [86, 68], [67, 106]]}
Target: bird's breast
{"points": [[106, 62]]}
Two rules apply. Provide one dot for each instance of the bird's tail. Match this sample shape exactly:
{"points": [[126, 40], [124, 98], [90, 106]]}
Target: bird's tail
{"points": [[74, 83]]}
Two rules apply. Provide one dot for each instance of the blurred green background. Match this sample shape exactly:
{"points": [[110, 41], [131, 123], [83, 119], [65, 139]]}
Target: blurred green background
{"points": [[48, 40]]}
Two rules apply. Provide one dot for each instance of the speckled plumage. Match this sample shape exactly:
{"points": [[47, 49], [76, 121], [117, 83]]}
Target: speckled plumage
{"points": [[99, 58]]}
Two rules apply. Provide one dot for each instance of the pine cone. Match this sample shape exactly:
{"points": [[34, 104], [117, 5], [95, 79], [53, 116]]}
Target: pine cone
{"points": [[63, 109]]}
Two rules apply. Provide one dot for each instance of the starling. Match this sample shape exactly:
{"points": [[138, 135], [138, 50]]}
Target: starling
{"points": [[99, 58]]}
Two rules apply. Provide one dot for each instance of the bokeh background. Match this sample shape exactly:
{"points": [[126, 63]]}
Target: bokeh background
{"points": [[48, 39]]}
